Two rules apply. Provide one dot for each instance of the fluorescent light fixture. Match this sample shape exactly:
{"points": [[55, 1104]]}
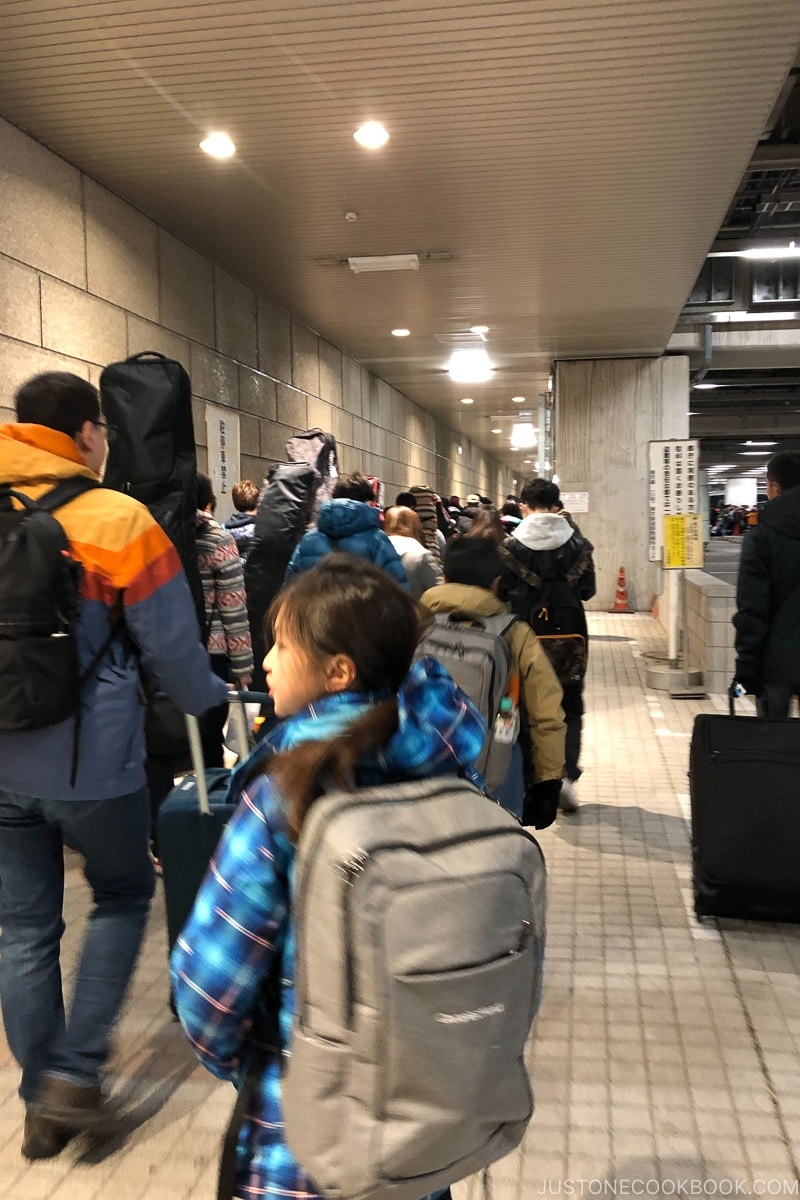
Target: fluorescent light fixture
{"points": [[467, 400], [401, 332], [371, 135], [384, 262], [755, 316], [721, 467], [517, 399], [479, 328], [754, 453], [770, 252], [529, 461], [749, 443], [218, 145], [705, 387], [469, 366], [523, 436], [497, 431]]}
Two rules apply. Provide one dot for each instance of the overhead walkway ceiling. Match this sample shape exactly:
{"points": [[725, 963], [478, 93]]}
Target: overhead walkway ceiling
{"points": [[568, 163]]}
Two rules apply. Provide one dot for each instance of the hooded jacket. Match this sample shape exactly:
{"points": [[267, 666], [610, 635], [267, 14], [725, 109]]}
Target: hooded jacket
{"points": [[352, 527], [545, 547], [242, 527], [767, 619], [242, 915], [130, 570], [422, 569], [540, 692]]}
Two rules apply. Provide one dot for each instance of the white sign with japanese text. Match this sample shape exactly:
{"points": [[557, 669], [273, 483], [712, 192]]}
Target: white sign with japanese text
{"points": [[224, 465], [674, 487]]}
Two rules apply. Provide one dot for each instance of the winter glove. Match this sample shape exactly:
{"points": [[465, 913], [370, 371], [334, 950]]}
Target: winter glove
{"points": [[540, 806]]}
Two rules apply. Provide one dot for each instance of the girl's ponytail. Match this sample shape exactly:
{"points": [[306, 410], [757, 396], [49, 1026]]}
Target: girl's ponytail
{"points": [[300, 775]]}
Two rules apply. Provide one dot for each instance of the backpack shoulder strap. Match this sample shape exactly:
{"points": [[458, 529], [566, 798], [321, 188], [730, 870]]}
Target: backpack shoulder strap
{"points": [[499, 624], [65, 491], [519, 569]]}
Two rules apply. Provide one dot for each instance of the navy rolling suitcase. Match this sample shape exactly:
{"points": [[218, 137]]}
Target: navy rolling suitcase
{"points": [[191, 821], [745, 797]]}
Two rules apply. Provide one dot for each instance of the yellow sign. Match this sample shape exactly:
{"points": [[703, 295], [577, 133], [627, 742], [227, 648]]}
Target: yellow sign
{"points": [[683, 541]]}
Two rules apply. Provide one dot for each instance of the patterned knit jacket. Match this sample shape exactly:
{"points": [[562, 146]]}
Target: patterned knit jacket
{"points": [[223, 588]]}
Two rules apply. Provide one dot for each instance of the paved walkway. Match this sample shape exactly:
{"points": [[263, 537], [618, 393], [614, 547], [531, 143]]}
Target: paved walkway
{"points": [[666, 1055]]}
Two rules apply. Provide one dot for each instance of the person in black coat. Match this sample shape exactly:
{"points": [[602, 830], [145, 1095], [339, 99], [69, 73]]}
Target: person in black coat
{"points": [[548, 560], [767, 620]]}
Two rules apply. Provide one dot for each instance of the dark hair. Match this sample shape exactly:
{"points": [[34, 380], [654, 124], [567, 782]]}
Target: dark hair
{"points": [[540, 493], [59, 400], [472, 560], [404, 521], [511, 509], [784, 469], [486, 524], [354, 487], [406, 500], [344, 605], [245, 495], [205, 492]]}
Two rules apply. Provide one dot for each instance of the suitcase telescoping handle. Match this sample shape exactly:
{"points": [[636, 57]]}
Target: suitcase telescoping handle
{"points": [[196, 745]]}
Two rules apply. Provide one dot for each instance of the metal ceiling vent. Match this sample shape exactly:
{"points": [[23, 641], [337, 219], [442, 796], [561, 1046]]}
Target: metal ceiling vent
{"points": [[461, 338]]}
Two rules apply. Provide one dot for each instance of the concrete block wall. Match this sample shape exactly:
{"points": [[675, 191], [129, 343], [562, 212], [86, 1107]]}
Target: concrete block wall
{"points": [[710, 607], [86, 280]]}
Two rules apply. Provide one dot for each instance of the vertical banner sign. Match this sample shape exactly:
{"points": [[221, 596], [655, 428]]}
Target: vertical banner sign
{"points": [[224, 467], [674, 488]]}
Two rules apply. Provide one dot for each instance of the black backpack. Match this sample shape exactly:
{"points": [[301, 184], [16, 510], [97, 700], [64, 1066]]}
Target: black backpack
{"points": [[557, 618], [40, 597]]}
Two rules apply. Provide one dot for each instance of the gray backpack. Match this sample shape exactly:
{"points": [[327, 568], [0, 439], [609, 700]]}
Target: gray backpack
{"points": [[420, 917], [476, 654]]}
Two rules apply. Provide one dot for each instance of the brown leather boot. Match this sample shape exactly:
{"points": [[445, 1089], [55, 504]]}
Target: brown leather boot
{"points": [[42, 1139], [72, 1105]]}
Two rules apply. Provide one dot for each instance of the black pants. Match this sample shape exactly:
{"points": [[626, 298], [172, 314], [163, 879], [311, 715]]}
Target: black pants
{"points": [[573, 716], [776, 698]]}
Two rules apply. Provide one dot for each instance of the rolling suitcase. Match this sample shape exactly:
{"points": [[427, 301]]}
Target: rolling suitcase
{"points": [[745, 798], [192, 819]]}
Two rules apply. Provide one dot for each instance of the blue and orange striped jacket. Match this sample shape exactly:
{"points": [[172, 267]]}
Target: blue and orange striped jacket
{"points": [[130, 570]]}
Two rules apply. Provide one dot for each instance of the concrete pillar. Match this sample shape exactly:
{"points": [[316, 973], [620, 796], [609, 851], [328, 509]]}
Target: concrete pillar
{"points": [[607, 410]]}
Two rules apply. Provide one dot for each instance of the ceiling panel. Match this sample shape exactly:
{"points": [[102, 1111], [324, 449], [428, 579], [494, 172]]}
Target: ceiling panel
{"points": [[574, 159]]}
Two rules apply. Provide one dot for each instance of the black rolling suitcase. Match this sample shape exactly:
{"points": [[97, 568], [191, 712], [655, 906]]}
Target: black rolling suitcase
{"points": [[745, 794], [191, 821]]}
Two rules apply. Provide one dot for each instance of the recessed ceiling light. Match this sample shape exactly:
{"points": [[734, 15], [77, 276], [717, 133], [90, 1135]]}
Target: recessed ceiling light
{"points": [[479, 328], [523, 435], [467, 400], [527, 460], [517, 399], [371, 135], [218, 145], [497, 431], [401, 332], [469, 366]]}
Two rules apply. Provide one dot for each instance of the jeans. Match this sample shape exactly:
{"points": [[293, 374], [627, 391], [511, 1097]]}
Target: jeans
{"points": [[113, 836]]}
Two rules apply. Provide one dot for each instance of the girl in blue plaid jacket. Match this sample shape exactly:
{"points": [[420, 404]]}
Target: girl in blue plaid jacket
{"points": [[340, 671]]}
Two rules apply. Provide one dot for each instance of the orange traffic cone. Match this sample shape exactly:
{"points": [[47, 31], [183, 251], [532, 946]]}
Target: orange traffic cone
{"points": [[621, 597]]}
